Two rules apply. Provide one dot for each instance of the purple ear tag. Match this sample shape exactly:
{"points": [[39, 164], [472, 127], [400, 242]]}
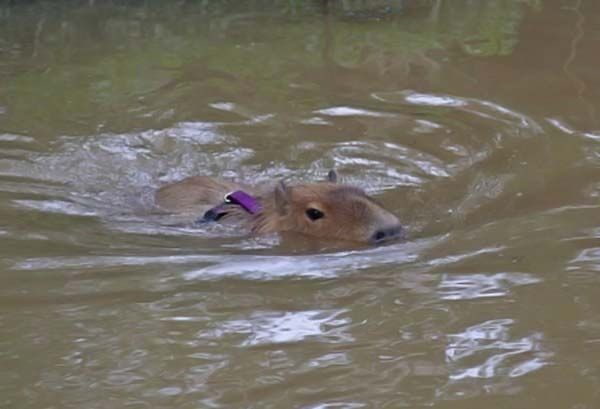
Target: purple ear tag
{"points": [[239, 198], [243, 199]]}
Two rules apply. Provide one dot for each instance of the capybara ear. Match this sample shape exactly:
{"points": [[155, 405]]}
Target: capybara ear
{"points": [[282, 198], [332, 176]]}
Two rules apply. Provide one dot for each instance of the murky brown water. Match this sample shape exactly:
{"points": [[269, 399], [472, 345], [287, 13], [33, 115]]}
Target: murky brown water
{"points": [[476, 122]]}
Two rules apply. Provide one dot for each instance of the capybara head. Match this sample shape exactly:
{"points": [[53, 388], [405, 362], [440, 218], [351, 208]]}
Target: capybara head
{"points": [[330, 210]]}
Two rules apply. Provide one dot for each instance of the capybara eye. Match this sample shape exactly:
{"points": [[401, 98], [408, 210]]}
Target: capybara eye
{"points": [[314, 214]]}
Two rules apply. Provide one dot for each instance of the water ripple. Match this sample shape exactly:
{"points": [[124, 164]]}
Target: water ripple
{"points": [[487, 359], [491, 342], [350, 111], [473, 286], [7, 137], [313, 266], [486, 109], [246, 266], [569, 130], [287, 327]]}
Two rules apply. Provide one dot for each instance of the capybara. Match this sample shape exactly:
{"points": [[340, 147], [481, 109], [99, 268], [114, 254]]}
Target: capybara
{"points": [[324, 210]]}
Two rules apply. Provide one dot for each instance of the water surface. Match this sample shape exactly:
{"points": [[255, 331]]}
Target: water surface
{"points": [[475, 122]]}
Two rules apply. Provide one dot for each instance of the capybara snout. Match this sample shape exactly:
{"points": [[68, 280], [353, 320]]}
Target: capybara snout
{"points": [[386, 234]]}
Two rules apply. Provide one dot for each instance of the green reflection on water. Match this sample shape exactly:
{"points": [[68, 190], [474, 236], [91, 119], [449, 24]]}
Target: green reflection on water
{"points": [[81, 65]]}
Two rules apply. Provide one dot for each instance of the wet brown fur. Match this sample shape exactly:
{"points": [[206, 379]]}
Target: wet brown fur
{"points": [[349, 213]]}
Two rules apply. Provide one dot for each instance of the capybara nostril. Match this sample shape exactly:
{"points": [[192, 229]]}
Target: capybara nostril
{"points": [[380, 235], [388, 233]]}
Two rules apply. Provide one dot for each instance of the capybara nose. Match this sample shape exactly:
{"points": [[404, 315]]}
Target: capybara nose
{"points": [[388, 233]]}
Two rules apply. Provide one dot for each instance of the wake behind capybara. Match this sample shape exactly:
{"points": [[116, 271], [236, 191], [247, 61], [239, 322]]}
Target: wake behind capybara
{"points": [[323, 210]]}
